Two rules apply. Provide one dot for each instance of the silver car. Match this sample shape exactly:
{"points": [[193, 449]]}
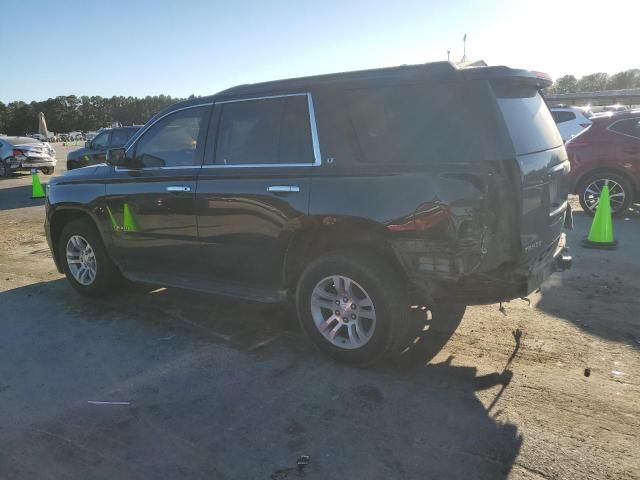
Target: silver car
{"points": [[25, 153]]}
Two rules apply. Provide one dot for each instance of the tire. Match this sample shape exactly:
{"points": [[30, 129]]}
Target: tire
{"points": [[106, 273], [360, 341], [618, 185], [5, 171], [48, 170]]}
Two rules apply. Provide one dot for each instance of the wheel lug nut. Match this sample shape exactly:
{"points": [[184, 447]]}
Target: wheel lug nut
{"points": [[353, 316], [337, 302], [353, 306], [345, 299], [337, 313]]}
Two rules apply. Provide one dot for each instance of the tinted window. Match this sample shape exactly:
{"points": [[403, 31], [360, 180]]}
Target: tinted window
{"points": [[527, 117], [562, 116], [411, 123], [268, 131], [119, 137], [628, 127], [101, 140], [172, 141]]}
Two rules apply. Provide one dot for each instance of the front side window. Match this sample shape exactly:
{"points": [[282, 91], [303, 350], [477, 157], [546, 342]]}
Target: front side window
{"points": [[172, 141], [101, 141], [628, 127], [119, 137], [265, 132]]}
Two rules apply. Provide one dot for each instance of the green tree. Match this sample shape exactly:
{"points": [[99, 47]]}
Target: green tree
{"points": [[627, 79], [593, 82]]}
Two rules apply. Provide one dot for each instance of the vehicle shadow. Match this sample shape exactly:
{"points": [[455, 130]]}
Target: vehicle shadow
{"points": [[600, 293], [18, 197], [220, 389]]}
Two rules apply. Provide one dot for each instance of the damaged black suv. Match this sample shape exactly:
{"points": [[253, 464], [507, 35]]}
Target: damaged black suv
{"points": [[351, 195]]}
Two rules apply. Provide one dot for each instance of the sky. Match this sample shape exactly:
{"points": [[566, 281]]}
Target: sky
{"points": [[183, 47]]}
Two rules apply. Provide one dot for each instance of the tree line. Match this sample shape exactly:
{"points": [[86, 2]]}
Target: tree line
{"points": [[71, 113], [596, 81]]}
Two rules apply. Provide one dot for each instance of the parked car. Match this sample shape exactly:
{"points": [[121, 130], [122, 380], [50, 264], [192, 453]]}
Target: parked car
{"points": [[570, 120], [608, 152], [25, 153], [95, 150], [350, 195]]}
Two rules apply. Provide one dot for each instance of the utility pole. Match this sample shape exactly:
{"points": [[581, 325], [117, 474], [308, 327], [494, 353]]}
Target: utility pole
{"points": [[464, 49], [448, 53]]}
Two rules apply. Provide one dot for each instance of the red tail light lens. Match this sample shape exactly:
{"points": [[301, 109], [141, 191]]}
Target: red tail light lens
{"points": [[17, 153]]}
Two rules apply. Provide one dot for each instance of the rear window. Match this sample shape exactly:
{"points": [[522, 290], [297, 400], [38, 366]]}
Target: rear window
{"points": [[423, 123], [561, 116], [527, 117]]}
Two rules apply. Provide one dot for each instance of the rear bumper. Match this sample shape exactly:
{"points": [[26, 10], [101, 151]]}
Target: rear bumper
{"points": [[506, 283], [38, 163]]}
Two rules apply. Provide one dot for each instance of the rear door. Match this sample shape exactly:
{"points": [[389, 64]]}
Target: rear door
{"points": [[628, 145], [542, 164], [150, 200], [255, 184]]}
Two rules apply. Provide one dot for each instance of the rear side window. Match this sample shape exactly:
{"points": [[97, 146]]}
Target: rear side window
{"points": [[527, 117], [561, 116], [265, 132], [628, 127], [423, 123]]}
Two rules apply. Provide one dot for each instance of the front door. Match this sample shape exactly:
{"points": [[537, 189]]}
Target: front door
{"points": [[150, 199], [254, 187]]}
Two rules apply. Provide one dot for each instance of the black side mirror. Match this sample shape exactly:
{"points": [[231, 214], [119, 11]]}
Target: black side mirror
{"points": [[87, 144], [116, 156]]}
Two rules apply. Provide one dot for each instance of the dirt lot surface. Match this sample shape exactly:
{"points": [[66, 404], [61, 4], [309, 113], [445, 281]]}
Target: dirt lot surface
{"points": [[218, 389]]}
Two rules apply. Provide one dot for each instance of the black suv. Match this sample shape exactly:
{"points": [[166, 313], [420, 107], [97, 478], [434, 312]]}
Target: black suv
{"points": [[95, 150], [352, 195]]}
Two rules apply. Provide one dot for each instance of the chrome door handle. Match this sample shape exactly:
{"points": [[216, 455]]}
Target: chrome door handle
{"points": [[283, 189], [178, 188]]}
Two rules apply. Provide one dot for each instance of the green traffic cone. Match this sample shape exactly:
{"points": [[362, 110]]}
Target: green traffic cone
{"points": [[129, 222], [36, 187], [114, 223], [601, 233]]}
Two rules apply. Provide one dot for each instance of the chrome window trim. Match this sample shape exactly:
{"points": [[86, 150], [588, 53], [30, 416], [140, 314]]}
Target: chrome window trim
{"points": [[557, 168], [624, 120], [144, 129], [312, 125], [315, 143]]}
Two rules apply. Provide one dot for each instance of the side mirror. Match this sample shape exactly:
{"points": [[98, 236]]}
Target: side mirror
{"points": [[116, 156], [87, 144]]}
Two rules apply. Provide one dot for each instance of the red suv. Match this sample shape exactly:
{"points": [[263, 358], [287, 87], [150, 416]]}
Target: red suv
{"points": [[607, 152]]}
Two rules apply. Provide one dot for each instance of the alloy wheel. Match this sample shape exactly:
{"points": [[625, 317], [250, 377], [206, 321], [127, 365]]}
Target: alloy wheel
{"points": [[343, 312], [81, 260], [591, 194]]}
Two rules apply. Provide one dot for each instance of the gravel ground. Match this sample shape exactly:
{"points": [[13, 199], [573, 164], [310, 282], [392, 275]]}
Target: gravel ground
{"points": [[218, 389]]}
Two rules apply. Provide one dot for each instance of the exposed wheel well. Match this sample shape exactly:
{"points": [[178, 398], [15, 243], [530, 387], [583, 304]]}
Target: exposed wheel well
{"points": [[59, 220], [310, 243]]}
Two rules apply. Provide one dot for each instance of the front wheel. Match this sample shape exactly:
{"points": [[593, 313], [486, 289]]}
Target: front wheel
{"points": [[48, 170], [620, 192], [84, 259], [353, 306]]}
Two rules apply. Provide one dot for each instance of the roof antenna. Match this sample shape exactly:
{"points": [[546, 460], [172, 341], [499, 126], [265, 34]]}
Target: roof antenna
{"points": [[464, 49]]}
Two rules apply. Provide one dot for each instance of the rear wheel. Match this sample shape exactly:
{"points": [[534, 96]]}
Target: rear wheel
{"points": [[353, 306], [84, 259], [620, 192], [47, 170]]}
